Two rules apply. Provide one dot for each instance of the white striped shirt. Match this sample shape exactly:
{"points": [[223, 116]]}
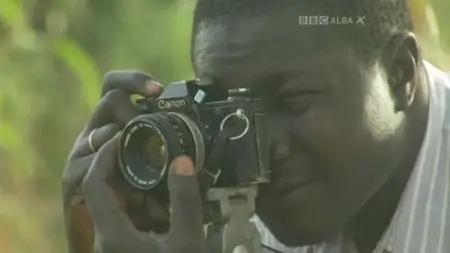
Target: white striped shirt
{"points": [[421, 223]]}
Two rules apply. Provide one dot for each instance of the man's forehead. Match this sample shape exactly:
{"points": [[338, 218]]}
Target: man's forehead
{"points": [[261, 49]]}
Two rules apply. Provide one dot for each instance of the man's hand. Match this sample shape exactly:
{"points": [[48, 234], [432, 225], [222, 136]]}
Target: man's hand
{"points": [[113, 113], [115, 231]]}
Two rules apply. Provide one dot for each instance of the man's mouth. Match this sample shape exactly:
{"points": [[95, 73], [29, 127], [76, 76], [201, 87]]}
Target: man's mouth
{"points": [[292, 174]]}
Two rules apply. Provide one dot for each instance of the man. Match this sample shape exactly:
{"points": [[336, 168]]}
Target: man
{"points": [[358, 125]]}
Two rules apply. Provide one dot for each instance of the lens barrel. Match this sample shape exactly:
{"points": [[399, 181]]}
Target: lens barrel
{"points": [[150, 142]]}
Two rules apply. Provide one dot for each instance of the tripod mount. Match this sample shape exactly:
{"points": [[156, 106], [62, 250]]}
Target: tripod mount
{"points": [[230, 229]]}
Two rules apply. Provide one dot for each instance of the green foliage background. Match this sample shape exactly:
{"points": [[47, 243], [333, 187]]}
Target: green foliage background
{"points": [[53, 54]]}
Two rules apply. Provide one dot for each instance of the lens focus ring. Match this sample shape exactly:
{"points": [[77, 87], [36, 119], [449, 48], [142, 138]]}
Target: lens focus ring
{"points": [[149, 143]]}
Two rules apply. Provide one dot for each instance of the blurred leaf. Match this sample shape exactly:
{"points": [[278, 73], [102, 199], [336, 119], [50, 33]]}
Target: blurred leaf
{"points": [[419, 13], [11, 12], [17, 216], [83, 67], [9, 138]]}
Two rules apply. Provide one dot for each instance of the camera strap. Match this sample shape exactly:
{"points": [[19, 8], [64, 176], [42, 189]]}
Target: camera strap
{"points": [[211, 171]]}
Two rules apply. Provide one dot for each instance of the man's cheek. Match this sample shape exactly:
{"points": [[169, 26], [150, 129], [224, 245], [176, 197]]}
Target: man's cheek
{"points": [[320, 129], [330, 139]]}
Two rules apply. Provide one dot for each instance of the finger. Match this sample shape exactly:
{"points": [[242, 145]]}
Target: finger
{"points": [[158, 214], [187, 219], [143, 208], [99, 137], [115, 107], [73, 175], [131, 82], [150, 216], [110, 219]]}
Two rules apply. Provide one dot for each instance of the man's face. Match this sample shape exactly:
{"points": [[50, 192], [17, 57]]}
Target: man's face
{"points": [[331, 119]]}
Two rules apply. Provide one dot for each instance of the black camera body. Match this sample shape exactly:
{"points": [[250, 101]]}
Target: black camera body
{"points": [[187, 119]]}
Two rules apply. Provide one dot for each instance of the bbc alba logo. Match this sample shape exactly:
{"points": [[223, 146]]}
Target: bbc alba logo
{"points": [[321, 20]]}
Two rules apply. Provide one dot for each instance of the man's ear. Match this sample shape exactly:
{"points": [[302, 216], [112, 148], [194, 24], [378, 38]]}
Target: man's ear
{"points": [[402, 61]]}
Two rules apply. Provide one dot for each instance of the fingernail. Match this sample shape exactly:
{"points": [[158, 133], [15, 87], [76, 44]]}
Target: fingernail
{"points": [[183, 166], [153, 87]]}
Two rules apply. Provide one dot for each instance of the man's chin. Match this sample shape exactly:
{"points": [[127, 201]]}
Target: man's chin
{"points": [[304, 216], [300, 231], [297, 237]]}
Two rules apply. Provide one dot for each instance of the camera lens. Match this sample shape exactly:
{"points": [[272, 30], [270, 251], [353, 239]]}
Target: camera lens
{"points": [[153, 154], [150, 142]]}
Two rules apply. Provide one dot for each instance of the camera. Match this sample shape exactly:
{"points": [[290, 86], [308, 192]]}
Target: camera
{"points": [[188, 118]]}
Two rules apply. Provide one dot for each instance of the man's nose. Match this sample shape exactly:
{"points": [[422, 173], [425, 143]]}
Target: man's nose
{"points": [[280, 145]]}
